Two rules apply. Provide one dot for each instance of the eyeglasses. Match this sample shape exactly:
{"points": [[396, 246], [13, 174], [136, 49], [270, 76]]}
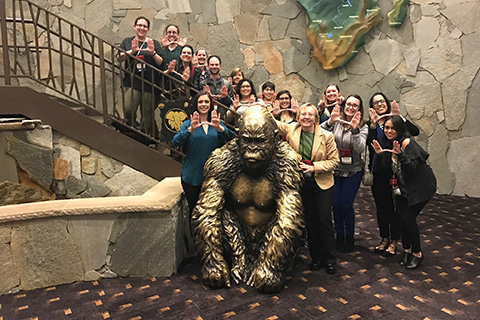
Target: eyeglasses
{"points": [[351, 105], [142, 26], [287, 98], [378, 102], [172, 32], [245, 86]]}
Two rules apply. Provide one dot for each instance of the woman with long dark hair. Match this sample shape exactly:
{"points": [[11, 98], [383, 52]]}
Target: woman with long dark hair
{"points": [[412, 184], [285, 107], [202, 133], [388, 221], [350, 134], [186, 70], [331, 97], [245, 95]]}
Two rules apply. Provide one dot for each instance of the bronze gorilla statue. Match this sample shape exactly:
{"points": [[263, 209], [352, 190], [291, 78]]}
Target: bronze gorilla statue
{"points": [[248, 222]]}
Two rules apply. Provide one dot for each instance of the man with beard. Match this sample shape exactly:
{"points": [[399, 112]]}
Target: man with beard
{"points": [[248, 222], [220, 89]]}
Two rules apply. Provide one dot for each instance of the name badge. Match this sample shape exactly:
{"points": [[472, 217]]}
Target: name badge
{"points": [[140, 66], [345, 156]]}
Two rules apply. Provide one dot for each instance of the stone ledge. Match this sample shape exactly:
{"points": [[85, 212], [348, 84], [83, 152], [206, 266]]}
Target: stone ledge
{"points": [[162, 197], [56, 242]]}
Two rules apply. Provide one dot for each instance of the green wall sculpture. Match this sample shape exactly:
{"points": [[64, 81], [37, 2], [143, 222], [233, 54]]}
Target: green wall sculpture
{"points": [[338, 27]]}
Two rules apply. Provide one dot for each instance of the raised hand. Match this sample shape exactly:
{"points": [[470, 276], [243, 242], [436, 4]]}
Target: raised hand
{"points": [[134, 45], [215, 121], [322, 104], [164, 41], [223, 92], [252, 99], [355, 120], [340, 99], [150, 46], [182, 42], [236, 102], [396, 147], [230, 79], [171, 66], [335, 116], [186, 74], [195, 60], [207, 88], [395, 109], [195, 121], [377, 147], [373, 115], [276, 108], [294, 105]]}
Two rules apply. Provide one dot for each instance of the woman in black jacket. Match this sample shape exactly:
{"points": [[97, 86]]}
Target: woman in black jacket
{"points": [[412, 184], [388, 222]]}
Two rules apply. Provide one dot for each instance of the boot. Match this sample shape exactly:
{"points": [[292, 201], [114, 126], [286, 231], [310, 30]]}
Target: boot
{"points": [[349, 244], [340, 241]]}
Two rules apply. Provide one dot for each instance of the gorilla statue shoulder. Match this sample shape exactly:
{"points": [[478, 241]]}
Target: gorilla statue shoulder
{"points": [[248, 222]]}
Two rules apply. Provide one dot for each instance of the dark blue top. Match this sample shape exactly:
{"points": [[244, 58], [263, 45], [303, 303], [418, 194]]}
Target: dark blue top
{"points": [[199, 147]]}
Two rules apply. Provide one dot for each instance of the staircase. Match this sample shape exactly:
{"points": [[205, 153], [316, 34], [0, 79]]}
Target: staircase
{"points": [[70, 79]]}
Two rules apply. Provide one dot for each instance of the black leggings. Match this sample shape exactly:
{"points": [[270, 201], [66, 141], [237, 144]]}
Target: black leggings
{"points": [[408, 215], [191, 193], [388, 221]]}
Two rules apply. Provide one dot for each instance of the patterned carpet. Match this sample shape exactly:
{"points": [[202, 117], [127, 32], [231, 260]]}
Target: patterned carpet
{"points": [[366, 286]]}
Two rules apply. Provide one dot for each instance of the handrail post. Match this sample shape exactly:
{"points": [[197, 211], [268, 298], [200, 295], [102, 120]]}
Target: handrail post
{"points": [[103, 81], [5, 49]]}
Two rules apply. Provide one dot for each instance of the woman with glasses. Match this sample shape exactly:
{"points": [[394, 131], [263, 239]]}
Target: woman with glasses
{"points": [[245, 95], [137, 82], [285, 108], [388, 221], [350, 134], [319, 159], [412, 185]]}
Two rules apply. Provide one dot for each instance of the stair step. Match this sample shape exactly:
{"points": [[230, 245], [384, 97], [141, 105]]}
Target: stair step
{"points": [[79, 109], [97, 118]]}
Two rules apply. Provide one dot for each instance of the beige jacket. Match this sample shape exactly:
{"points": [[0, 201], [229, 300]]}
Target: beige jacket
{"points": [[324, 151]]}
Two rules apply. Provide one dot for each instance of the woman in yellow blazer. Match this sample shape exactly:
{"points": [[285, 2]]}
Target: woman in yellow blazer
{"points": [[319, 159]]}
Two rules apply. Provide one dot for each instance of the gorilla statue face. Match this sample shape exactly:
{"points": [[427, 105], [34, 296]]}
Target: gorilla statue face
{"points": [[256, 138]]}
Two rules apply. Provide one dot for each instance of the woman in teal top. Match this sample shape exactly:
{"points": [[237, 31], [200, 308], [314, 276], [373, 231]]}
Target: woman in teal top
{"points": [[202, 134]]}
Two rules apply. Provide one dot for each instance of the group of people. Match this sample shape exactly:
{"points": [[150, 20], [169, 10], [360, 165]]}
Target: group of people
{"points": [[331, 137]]}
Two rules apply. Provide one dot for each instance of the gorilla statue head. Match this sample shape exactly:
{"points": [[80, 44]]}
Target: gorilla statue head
{"points": [[256, 137]]}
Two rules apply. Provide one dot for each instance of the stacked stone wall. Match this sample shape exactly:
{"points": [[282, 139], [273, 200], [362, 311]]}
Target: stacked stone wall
{"points": [[41, 164]]}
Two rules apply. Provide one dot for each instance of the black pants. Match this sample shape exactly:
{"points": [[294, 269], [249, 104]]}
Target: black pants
{"points": [[318, 220], [388, 221], [408, 215], [191, 193]]}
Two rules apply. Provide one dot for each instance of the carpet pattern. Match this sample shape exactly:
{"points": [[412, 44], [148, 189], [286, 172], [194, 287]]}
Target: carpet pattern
{"points": [[366, 286]]}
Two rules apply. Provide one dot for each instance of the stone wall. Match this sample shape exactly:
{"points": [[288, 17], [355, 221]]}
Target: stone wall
{"points": [[57, 242], [429, 64], [40, 164]]}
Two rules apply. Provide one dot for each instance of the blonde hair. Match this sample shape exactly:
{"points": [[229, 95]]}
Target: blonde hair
{"points": [[315, 112]]}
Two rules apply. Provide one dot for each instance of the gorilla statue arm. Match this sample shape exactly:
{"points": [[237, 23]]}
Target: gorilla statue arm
{"points": [[207, 217], [283, 238]]}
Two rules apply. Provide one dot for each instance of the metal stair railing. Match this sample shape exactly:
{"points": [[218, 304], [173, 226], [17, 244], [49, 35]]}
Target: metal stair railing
{"points": [[46, 52]]}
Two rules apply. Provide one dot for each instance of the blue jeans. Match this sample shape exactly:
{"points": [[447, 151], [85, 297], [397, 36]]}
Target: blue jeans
{"points": [[344, 193]]}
